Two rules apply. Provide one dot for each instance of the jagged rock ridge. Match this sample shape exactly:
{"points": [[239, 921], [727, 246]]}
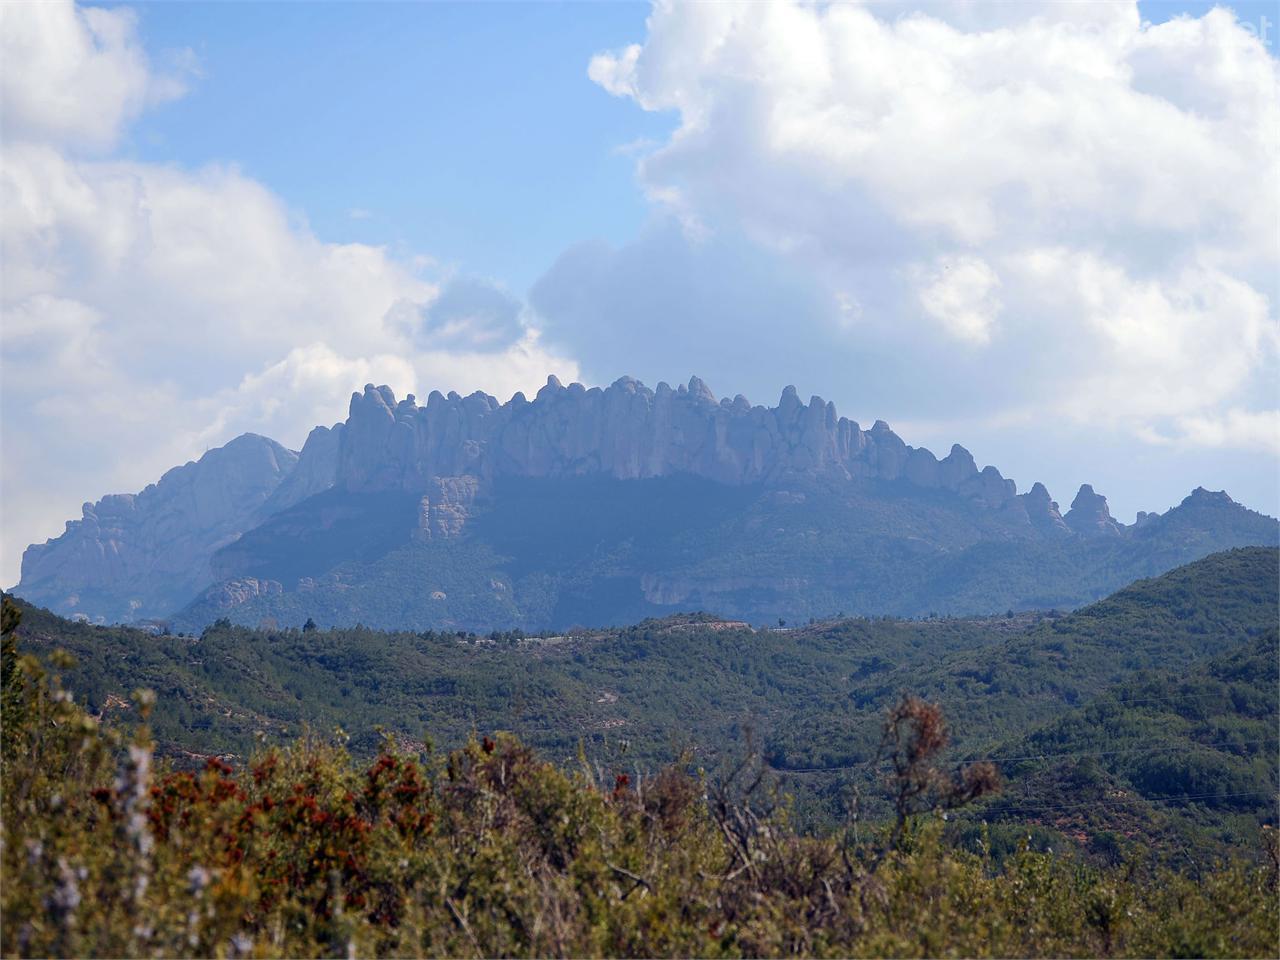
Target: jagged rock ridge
{"points": [[259, 525], [629, 432], [317, 465], [141, 555]]}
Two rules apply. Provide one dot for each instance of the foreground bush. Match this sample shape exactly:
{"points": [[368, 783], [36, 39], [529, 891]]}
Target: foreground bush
{"points": [[489, 851]]}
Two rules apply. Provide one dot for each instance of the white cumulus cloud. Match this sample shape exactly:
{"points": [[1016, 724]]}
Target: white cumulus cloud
{"points": [[960, 293], [1087, 202], [1234, 428], [149, 312], [74, 75]]}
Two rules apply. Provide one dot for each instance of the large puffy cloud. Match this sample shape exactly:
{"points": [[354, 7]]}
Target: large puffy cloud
{"points": [[799, 121], [150, 312], [1026, 212], [75, 75], [167, 260]]}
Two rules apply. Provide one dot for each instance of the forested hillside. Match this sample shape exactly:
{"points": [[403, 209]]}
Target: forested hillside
{"points": [[540, 553], [808, 699], [1175, 761], [307, 851]]}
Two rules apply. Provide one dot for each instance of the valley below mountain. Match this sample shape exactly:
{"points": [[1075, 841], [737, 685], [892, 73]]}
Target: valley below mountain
{"points": [[1147, 718]]}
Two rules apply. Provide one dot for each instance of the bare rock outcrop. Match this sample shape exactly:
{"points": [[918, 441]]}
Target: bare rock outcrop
{"points": [[1089, 515], [233, 593], [132, 556], [443, 511], [315, 472], [628, 431], [1042, 511]]}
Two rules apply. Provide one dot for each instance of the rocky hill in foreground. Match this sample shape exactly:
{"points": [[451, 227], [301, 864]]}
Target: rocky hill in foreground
{"points": [[600, 506]]}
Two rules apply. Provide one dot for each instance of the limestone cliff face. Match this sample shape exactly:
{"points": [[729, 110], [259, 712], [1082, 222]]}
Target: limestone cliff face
{"points": [[628, 431], [139, 555], [1042, 511], [145, 555], [1089, 515], [316, 468], [444, 510]]}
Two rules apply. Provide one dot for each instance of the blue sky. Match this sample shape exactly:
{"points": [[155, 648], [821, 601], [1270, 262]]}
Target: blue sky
{"points": [[1043, 230], [467, 130]]}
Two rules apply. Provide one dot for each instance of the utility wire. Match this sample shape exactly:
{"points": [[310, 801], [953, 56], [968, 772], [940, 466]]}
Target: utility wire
{"points": [[1104, 753], [1116, 801], [1103, 702], [1037, 756]]}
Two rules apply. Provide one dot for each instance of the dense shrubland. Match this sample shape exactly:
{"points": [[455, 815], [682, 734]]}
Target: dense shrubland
{"points": [[488, 850], [1123, 709]]}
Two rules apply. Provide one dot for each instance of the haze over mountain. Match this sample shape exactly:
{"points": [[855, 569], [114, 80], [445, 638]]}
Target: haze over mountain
{"points": [[599, 506]]}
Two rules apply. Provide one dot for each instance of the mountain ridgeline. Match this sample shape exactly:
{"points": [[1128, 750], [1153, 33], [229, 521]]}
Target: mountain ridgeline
{"points": [[599, 506]]}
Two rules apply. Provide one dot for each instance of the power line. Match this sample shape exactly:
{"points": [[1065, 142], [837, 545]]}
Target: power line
{"points": [[1115, 801], [1104, 753], [1102, 702], [1037, 756]]}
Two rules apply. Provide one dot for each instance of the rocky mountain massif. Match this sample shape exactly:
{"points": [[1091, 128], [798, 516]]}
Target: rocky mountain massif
{"points": [[138, 555], [599, 506]]}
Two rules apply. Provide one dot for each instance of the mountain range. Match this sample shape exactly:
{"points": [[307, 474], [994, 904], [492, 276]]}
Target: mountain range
{"points": [[599, 506]]}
